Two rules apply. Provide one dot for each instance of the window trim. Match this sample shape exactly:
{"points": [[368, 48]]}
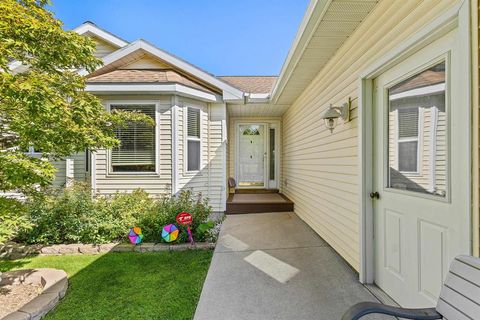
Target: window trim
{"points": [[110, 172], [186, 138]]}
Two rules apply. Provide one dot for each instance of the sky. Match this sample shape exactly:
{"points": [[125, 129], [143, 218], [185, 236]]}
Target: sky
{"points": [[223, 37]]}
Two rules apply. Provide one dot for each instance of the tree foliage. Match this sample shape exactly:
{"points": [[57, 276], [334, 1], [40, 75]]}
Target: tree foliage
{"points": [[43, 103]]}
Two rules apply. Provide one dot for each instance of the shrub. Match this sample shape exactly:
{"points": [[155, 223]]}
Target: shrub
{"points": [[120, 212], [167, 209], [71, 215]]}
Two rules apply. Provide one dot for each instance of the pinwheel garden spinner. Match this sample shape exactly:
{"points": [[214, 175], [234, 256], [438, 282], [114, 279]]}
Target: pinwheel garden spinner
{"points": [[135, 235], [170, 233]]}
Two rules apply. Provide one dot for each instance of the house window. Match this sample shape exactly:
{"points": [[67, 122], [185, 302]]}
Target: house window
{"points": [[137, 150], [408, 139], [193, 139]]}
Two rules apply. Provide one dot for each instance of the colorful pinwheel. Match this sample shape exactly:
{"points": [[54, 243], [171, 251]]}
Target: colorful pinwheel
{"points": [[170, 233], [135, 235]]}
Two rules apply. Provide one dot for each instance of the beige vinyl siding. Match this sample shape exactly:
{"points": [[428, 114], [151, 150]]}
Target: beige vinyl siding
{"points": [[79, 167], [232, 138], [210, 179], [155, 184], [103, 48], [320, 169]]}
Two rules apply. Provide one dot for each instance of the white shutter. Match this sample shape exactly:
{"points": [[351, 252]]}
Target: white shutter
{"points": [[193, 122], [408, 123]]}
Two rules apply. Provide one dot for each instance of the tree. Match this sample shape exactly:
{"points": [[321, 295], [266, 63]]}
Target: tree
{"points": [[45, 106]]}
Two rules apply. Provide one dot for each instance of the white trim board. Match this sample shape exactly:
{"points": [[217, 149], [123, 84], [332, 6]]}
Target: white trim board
{"points": [[92, 29]]}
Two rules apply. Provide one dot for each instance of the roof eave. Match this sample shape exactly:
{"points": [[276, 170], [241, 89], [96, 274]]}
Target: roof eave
{"points": [[91, 28], [152, 88], [313, 16]]}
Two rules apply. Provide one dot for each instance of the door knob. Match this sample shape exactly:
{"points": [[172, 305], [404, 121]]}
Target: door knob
{"points": [[375, 195]]}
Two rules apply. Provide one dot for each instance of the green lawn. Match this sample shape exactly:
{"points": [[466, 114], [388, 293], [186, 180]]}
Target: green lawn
{"points": [[163, 285]]}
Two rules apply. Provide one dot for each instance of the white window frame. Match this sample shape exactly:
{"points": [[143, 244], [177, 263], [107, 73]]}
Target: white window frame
{"points": [[156, 105], [186, 138]]}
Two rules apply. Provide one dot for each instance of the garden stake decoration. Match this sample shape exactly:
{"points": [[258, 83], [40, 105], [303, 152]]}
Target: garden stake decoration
{"points": [[185, 219], [170, 233], [135, 235]]}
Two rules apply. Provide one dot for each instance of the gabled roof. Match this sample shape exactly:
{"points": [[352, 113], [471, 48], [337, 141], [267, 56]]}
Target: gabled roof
{"points": [[91, 29], [141, 47], [251, 84], [146, 76]]}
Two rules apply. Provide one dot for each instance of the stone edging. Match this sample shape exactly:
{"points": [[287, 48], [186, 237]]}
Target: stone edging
{"points": [[17, 251], [55, 284]]}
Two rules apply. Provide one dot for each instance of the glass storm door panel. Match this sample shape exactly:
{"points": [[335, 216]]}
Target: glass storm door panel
{"points": [[421, 172], [251, 155], [417, 130]]}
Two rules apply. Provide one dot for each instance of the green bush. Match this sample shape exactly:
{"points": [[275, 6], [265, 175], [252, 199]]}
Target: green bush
{"points": [[167, 209], [71, 215]]}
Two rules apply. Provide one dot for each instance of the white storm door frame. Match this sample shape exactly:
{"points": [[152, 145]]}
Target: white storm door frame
{"points": [[265, 157], [456, 17]]}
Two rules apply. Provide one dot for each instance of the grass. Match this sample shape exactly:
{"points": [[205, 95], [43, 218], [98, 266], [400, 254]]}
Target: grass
{"points": [[163, 285]]}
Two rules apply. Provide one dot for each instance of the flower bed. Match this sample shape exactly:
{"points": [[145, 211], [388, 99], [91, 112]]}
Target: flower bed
{"points": [[71, 215]]}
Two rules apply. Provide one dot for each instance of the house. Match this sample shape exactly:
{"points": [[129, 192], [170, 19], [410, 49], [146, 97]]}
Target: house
{"points": [[371, 129]]}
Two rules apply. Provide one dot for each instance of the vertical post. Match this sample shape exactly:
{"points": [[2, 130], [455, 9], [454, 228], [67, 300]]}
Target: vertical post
{"points": [[69, 172]]}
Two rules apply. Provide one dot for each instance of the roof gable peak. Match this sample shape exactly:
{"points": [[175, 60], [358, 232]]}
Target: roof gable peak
{"points": [[90, 28]]}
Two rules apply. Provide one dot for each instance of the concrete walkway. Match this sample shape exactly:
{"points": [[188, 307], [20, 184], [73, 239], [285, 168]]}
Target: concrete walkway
{"points": [[273, 266]]}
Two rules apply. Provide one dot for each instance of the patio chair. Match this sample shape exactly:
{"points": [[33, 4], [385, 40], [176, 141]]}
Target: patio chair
{"points": [[459, 298]]}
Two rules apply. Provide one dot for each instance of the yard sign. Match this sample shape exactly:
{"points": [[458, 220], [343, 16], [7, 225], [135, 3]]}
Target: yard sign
{"points": [[185, 219]]}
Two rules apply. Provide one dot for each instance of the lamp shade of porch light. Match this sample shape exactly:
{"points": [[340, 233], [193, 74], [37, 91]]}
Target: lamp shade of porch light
{"points": [[330, 116]]}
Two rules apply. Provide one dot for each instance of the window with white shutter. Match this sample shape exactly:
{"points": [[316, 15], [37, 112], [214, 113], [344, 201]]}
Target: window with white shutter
{"points": [[408, 139], [193, 139], [136, 152]]}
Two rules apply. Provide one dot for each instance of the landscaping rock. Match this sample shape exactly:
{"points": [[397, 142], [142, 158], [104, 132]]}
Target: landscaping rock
{"points": [[17, 251], [181, 247], [123, 247], [160, 247], [144, 247], [60, 249], [18, 315], [39, 307], [88, 248], [106, 247]]}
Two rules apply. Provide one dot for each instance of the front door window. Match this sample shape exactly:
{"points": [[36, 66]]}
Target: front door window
{"points": [[417, 144]]}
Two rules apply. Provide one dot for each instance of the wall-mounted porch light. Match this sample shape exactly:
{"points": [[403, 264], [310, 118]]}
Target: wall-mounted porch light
{"points": [[331, 115]]}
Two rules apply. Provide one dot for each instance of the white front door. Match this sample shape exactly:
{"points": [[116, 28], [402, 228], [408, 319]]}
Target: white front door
{"points": [[421, 172], [251, 154]]}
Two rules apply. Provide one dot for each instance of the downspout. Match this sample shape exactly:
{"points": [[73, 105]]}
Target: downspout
{"points": [[208, 150], [174, 145], [93, 169]]}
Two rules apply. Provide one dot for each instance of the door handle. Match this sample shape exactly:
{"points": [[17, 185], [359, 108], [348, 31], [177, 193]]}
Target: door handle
{"points": [[375, 195]]}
